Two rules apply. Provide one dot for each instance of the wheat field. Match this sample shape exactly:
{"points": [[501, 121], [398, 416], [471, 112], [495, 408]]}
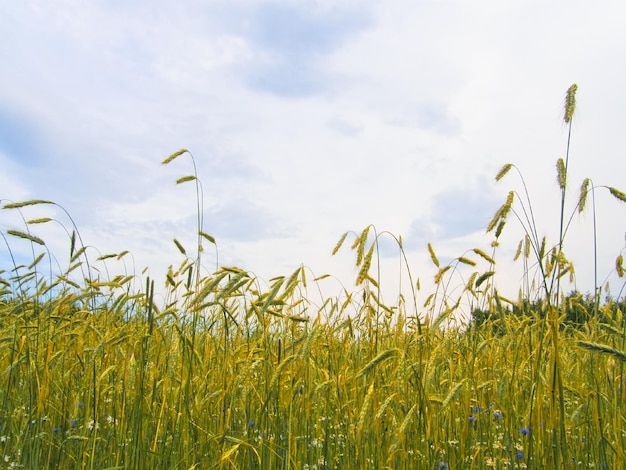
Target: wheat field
{"points": [[225, 371]]}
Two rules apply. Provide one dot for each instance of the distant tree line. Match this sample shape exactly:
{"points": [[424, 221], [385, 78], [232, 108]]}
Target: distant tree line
{"points": [[575, 310]]}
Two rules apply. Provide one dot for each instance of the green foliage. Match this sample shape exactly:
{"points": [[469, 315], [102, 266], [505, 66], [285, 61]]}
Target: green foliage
{"points": [[577, 312]]}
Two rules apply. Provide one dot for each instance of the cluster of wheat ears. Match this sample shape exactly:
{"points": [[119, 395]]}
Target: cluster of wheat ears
{"points": [[226, 371]]}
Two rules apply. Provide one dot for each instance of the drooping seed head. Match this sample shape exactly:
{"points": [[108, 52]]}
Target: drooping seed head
{"points": [[503, 171], [584, 190]]}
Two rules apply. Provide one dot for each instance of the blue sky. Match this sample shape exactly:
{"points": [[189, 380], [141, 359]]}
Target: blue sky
{"points": [[308, 119]]}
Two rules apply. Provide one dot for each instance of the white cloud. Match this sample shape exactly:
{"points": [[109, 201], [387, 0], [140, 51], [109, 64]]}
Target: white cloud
{"points": [[307, 121]]}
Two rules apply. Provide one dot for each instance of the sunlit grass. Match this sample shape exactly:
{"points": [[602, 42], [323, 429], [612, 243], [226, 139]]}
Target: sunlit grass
{"points": [[226, 371]]}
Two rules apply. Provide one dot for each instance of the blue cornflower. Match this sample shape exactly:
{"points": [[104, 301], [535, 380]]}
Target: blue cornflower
{"points": [[497, 414], [81, 404], [443, 465], [525, 431], [472, 419], [74, 423], [519, 455], [56, 430], [251, 423]]}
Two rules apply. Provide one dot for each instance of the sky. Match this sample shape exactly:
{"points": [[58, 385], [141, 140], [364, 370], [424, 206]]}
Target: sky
{"points": [[307, 119]]}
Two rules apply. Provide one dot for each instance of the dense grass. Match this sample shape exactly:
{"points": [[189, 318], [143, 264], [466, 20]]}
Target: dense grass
{"points": [[98, 378], [222, 372]]}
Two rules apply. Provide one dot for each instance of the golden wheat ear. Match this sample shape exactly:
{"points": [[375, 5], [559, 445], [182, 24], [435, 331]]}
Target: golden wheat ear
{"points": [[570, 103], [584, 191], [602, 348], [503, 171], [561, 173], [617, 193], [174, 156]]}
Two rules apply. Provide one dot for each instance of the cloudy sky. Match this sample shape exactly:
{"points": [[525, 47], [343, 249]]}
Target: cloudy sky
{"points": [[307, 119]]}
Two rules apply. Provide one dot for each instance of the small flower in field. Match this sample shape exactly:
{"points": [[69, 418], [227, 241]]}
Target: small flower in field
{"points": [[81, 404], [497, 414], [519, 455], [472, 419], [525, 431], [56, 430], [251, 423], [443, 465], [74, 423]]}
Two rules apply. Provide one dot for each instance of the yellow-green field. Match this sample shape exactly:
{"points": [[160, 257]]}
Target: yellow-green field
{"points": [[219, 371]]}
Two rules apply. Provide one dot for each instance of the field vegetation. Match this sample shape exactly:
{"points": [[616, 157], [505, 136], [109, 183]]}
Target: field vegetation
{"points": [[225, 371]]}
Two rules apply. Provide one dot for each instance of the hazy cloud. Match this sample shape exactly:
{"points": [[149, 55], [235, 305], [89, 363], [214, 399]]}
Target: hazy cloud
{"points": [[21, 138], [293, 38], [428, 116], [344, 126], [244, 221], [454, 213], [395, 102]]}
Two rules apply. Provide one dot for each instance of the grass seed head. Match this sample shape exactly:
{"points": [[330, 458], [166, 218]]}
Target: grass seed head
{"points": [[584, 191], [570, 103], [503, 171], [173, 156], [561, 172], [618, 194], [433, 256]]}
